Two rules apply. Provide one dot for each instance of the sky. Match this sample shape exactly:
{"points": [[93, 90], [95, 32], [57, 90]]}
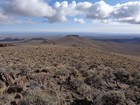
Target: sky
{"points": [[99, 16]]}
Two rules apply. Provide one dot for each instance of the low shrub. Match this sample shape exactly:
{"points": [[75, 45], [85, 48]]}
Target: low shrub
{"points": [[133, 95], [136, 79], [111, 98], [122, 75], [38, 98], [95, 81]]}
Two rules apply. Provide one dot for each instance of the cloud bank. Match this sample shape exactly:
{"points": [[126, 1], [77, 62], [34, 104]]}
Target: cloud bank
{"points": [[59, 12]]}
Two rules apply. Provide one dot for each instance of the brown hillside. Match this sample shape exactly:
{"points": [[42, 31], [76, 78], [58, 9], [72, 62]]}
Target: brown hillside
{"points": [[64, 75], [122, 48], [75, 40]]}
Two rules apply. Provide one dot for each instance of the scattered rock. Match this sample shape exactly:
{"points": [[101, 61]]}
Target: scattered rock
{"points": [[37, 71], [44, 71], [14, 89], [14, 103], [7, 79], [18, 96]]}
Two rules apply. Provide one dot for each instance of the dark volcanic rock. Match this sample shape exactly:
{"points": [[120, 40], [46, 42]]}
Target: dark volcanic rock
{"points": [[14, 89]]}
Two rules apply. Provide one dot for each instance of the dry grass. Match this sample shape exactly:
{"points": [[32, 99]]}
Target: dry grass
{"points": [[71, 74], [38, 98]]}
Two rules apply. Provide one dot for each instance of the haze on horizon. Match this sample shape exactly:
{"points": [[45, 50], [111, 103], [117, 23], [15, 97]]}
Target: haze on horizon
{"points": [[96, 16]]}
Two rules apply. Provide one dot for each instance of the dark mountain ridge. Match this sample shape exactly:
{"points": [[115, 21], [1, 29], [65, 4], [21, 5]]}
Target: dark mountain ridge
{"points": [[134, 40], [11, 39]]}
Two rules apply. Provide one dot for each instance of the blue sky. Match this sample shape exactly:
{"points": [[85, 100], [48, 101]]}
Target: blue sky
{"points": [[70, 16], [113, 2]]}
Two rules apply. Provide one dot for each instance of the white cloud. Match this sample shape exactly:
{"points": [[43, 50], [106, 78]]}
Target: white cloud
{"points": [[100, 11], [81, 21], [63, 9], [30, 8], [4, 18], [128, 12], [83, 6]]}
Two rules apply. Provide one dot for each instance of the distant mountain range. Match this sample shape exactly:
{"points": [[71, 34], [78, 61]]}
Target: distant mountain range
{"points": [[134, 40], [71, 38], [17, 39], [11, 39], [122, 46]]}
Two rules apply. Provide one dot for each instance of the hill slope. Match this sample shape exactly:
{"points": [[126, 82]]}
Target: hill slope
{"points": [[75, 40], [122, 46], [104, 45], [64, 75]]}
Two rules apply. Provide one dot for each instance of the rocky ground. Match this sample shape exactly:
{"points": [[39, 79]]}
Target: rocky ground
{"points": [[60, 75]]}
